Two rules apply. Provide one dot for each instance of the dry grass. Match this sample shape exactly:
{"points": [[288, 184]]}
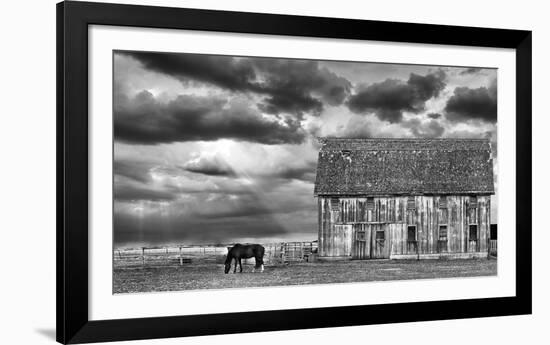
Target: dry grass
{"points": [[211, 276]]}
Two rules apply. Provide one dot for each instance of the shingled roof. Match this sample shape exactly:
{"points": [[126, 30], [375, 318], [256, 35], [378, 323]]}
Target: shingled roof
{"points": [[373, 167]]}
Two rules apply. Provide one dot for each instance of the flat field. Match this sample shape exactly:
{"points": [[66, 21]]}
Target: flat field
{"points": [[210, 275]]}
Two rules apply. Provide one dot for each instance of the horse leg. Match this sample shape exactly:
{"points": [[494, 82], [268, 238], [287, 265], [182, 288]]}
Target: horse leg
{"points": [[258, 263], [235, 269], [240, 265]]}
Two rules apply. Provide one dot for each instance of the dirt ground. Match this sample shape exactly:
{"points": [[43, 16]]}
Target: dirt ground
{"points": [[211, 276]]}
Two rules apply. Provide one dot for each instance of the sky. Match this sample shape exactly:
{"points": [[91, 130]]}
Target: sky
{"points": [[223, 149]]}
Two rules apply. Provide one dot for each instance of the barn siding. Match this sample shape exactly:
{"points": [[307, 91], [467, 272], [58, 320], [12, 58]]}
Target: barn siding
{"points": [[338, 225]]}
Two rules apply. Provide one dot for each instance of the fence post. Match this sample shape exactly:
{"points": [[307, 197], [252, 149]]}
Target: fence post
{"points": [[181, 259]]}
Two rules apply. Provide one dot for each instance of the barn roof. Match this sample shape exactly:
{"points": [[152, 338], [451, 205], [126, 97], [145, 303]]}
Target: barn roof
{"points": [[404, 166]]}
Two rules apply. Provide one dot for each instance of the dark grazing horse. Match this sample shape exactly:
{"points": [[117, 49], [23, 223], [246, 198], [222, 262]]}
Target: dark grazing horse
{"points": [[244, 251]]}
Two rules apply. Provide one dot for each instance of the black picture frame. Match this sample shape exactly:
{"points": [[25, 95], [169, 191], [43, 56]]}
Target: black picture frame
{"points": [[73, 19]]}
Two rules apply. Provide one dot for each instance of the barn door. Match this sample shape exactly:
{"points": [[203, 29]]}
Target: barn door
{"points": [[342, 238], [370, 241], [380, 241], [361, 241], [473, 236]]}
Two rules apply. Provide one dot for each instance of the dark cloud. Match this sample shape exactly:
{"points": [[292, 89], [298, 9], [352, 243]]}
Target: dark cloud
{"points": [[295, 86], [473, 104], [209, 165], [145, 120], [471, 70], [225, 72], [138, 171], [390, 98], [214, 165], [434, 116], [134, 193], [288, 86]]}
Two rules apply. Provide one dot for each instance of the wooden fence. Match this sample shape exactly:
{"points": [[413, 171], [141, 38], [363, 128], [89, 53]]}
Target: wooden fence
{"points": [[275, 253]]}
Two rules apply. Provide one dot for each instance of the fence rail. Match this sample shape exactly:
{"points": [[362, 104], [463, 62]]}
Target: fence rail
{"points": [[275, 253]]}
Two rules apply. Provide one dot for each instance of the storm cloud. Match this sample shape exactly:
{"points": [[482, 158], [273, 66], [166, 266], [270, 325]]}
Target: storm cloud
{"points": [[473, 104], [214, 165], [145, 120], [434, 116], [286, 85], [135, 170], [225, 72], [211, 165], [390, 98]]}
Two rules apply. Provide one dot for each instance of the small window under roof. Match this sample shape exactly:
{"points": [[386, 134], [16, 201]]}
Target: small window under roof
{"points": [[370, 203], [411, 205]]}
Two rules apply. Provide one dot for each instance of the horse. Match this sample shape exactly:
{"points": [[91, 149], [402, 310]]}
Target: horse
{"points": [[244, 251]]}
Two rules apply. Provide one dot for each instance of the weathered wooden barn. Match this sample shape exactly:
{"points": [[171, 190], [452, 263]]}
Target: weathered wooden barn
{"points": [[404, 198]]}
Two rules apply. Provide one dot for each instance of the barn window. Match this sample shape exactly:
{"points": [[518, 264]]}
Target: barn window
{"points": [[443, 202], [370, 203], [443, 233], [380, 235], [411, 233], [334, 203], [472, 202], [411, 205], [473, 232]]}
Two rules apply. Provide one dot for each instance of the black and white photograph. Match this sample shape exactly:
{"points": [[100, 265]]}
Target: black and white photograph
{"points": [[275, 172], [240, 171]]}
